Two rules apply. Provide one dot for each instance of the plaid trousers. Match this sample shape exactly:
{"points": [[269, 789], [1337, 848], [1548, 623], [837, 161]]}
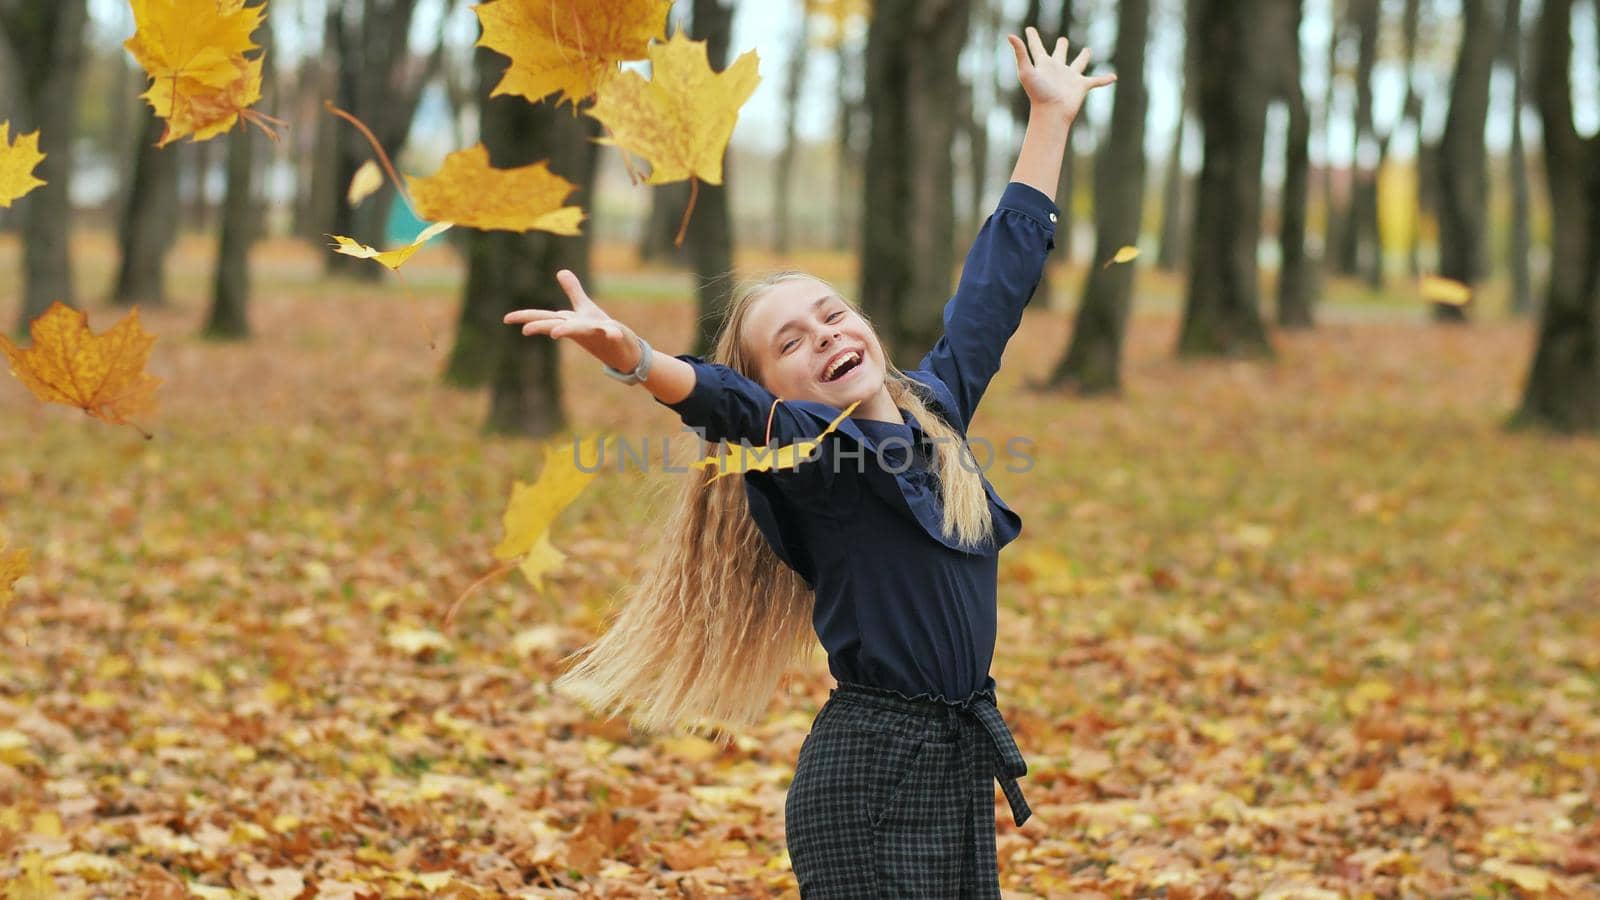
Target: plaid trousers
{"points": [[892, 796]]}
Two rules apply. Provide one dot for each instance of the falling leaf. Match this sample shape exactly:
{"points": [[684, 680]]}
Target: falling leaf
{"points": [[571, 46], [529, 513], [1445, 290], [534, 507], [193, 51], [101, 374], [467, 191], [542, 559], [368, 178], [16, 163], [760, 459], [681, 119], [391, 258], [1123, 254]]}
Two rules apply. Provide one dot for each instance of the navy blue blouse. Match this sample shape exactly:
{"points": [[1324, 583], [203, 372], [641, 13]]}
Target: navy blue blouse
{"points": [[898, 605]]}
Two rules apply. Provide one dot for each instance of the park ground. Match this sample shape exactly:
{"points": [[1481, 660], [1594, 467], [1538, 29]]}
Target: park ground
{"points": [[1311, 624]]}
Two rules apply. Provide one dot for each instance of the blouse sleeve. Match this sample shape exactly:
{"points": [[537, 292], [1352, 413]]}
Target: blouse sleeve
{"points": [[1001, 272], [732, 407]]}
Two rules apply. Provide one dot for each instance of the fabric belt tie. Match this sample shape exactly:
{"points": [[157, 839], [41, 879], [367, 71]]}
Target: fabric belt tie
{"points": [[979, 705]]}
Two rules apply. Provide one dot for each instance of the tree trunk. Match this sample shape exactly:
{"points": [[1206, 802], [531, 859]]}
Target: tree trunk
{"points": [[380, 83], [1521, 240], [783, 177], [1220, 315], [1093, 361], [1019, 115], [1175, 194], [525, 396], [1563, 385], [148, 224], [1463, 180], [46, 43], [1296, 280], [907, 223], [231, 280], [1361, 248], [710, 226], [851, 159], [321, 197]]}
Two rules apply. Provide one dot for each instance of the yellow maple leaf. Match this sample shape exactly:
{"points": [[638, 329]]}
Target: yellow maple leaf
{"points": [[391, 258], [740, 459], [102, 374], [467, 191], [542, 559], [16, 163], [527, 520], [534, 507], [194, 53], [569, 46], [681, 119]]}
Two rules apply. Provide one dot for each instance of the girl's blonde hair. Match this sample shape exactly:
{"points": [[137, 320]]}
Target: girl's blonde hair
{"points": [[711, 629]]}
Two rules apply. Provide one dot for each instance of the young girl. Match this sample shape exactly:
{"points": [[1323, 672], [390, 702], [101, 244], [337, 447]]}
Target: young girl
{"points": [[885, 542]]}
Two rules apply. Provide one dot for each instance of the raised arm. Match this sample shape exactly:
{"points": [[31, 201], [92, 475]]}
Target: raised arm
{"points": [[1007, 258], [710, 396]]}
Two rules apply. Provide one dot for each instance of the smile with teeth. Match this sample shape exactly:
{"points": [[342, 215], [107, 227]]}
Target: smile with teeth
{"points": [[848, 358]]}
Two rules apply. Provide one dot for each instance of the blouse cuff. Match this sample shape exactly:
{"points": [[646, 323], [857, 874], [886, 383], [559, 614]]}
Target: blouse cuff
{"points": [[1031, 202]]}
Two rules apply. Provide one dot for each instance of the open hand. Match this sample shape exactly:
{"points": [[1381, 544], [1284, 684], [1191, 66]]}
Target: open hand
{"points": [[1049, 81], [589, 326]]}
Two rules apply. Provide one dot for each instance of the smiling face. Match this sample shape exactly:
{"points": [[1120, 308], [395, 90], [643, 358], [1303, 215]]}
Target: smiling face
{"points": [[808, 344]]}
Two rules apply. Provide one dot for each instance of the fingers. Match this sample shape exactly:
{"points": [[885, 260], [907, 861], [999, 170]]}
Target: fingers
{"points": [[530, 315], [1082, 62], [1036, 45], [574, 289], [1059, 54], [1102, 81], [1020, 51]]}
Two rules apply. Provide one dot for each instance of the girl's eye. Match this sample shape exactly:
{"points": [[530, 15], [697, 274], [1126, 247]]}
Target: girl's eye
{"points": [[788, 344]]}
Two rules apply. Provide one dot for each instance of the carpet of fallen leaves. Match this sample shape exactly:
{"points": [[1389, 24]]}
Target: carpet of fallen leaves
{"points": [[1313, 628]]}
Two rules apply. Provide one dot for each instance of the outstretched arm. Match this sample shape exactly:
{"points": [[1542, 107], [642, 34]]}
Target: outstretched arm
{"points": [[1007, 258]]}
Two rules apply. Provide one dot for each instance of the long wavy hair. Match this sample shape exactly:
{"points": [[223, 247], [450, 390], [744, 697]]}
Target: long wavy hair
{"points": [[709, 632]]}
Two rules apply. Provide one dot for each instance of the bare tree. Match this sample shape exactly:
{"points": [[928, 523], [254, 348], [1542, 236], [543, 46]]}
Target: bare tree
{"points": [[148, 223], [46, 44], [1463, 175], [1296, 279], [783, 175], [908, 223], [1094, 359], [1220, 315], [1562, 391]]}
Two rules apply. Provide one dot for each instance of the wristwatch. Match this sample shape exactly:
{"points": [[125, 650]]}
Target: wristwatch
{"points": [[639, 374]]}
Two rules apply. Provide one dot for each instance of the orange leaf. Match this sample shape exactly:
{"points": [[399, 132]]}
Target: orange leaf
{"points": [[193, 50], [101, 374], [16, 163], [681, 119], [569, 46], [467, 191]]}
